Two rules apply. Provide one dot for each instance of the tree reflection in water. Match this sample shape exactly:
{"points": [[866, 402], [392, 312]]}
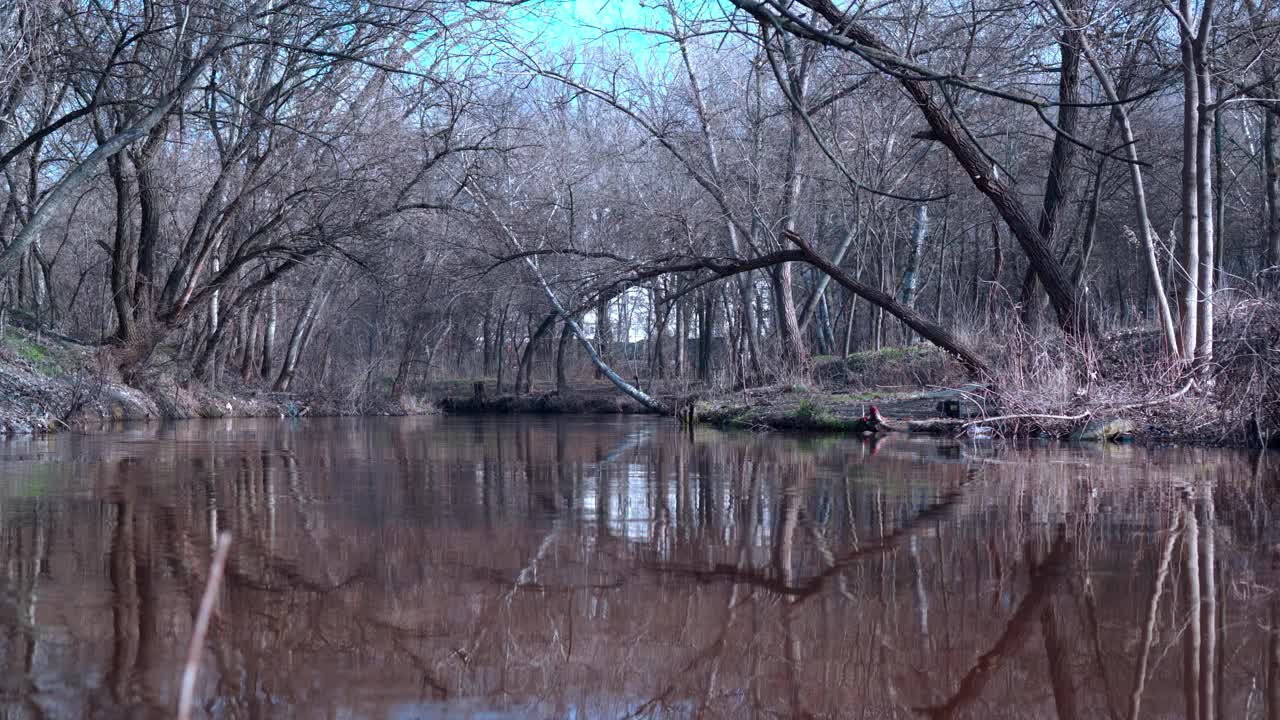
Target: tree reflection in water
{"points": [[587, 567]]}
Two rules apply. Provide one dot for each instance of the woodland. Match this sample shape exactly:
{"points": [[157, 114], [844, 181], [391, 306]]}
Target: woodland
{"points": [[1067, 199]]}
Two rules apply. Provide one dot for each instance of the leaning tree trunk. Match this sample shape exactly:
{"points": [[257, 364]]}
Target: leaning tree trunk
{"points": [[531, 262], [301, 331], [820, 287], [855, 36], [78, 174], [1145, 232], [928, 329], [630, 390]]}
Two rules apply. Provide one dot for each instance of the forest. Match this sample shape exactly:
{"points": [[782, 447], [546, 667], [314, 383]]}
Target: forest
{"points": [[1072, 202]]}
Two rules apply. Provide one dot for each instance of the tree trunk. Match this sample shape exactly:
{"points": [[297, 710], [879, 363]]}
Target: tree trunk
{"points": [[526, 359], [997, 265], [269, 335], [1204, 199], [820, 287], [1090, 225], [243, 338], [825, 336], [249, 358], [927, 328], [942, 268], [706, 325], [301, 331], [486, 349], [745, 287], [603, 332], [562, 377], [919, 230], [794, 352], [682, 338], [1271, 148], [122, 260], [630, 390], [1057, 184], [499, 345], [215, 326], [1189, 295], [149, 223], [408, 351], [848, 326]]}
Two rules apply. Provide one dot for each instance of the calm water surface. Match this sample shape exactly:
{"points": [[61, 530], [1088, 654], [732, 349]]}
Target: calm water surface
{"points": [[596, 567]]}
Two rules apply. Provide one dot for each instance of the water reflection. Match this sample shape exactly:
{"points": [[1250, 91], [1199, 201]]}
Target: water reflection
{"points": [[587, 567]]}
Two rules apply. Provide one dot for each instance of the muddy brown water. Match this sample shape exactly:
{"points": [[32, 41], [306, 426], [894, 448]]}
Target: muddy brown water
{"points": [[606, 567]]}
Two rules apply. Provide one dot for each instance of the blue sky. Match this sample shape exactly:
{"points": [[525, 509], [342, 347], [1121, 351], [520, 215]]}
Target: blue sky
{"points": [[596, 23]]}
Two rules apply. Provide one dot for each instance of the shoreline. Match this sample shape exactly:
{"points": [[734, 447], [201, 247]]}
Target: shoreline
{"points": [[725, 418], [51, 385]]}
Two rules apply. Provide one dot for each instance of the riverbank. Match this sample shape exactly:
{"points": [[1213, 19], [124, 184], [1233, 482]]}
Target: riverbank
{"points": [[50, 383], [1120, 391]]}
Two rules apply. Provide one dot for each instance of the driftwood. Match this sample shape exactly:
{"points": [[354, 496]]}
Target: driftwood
{"points": [[1101, 411], [1027, 416], [936, 426]]}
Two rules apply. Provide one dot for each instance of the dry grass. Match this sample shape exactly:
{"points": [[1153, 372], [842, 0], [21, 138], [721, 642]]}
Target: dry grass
{"points": [[1056, 385], [1246, 376], [902, 366]]}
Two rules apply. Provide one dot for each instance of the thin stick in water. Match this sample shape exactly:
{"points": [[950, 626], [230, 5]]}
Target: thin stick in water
{"points": [[196, 649]]}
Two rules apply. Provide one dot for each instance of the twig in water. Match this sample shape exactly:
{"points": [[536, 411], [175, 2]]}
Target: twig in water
{"points": [[196, 648]]}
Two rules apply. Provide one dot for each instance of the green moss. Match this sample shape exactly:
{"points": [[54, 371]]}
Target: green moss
{"points": [[808, 410], [897, 353], [811, 414], [31, 351]]}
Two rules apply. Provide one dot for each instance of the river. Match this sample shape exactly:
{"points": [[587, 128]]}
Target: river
{"points": [[604, 567]]}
